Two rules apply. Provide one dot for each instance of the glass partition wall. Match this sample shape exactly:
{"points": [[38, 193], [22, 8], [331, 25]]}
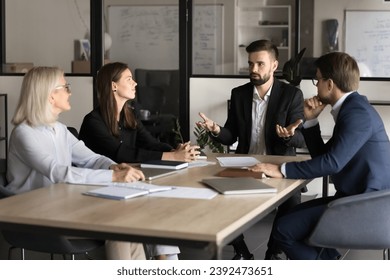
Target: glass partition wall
{"points": [[39, 32], [57, 32], [165, 42], [223, 28]]}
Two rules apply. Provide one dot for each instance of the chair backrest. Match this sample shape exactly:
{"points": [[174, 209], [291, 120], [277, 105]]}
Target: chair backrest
{"points": [[167, 81], [4, 192], [74, 131], [151, 98], [355, 222]]}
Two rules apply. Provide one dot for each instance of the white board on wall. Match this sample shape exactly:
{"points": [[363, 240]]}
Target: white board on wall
{"points": [[367, 39], [148, 37]]}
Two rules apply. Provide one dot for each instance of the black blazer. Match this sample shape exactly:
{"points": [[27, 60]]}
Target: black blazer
{"points": [[133, 145], [285, 106]]}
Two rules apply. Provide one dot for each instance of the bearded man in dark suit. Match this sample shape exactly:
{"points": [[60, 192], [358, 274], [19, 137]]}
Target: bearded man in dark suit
{"points": [[264, 116]]}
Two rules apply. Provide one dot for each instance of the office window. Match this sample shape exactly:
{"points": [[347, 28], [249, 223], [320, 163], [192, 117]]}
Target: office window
{"points": [[145, 35], [47, 32], [223, 28]]}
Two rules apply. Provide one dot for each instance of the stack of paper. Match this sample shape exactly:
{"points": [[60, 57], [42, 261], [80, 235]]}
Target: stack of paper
{"points": [[237, 162]]}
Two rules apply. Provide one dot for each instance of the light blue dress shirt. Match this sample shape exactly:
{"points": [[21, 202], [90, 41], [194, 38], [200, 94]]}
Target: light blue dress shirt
{"points": [[43, 155]]}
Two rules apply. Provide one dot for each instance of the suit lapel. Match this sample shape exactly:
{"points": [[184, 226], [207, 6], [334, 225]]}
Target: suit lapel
{"points": [[247, 110], [273, 103]]}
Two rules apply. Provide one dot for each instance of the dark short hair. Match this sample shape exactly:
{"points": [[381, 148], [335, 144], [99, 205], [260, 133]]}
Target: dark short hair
{"points": [[341, 68], [263, 45]]}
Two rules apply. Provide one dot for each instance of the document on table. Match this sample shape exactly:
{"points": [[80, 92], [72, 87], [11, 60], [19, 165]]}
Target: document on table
{"points": [[186, 192], [126, 190], [237, 162], [200, 163]]}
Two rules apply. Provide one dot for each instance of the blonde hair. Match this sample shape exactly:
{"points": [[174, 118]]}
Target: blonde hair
{"points": [[33, 106]]}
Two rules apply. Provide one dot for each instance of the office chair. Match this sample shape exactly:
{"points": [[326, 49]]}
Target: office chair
{"points": [[44, 243], [359, 222], [151, 98], [74, 131], [162, 85], [291, 71]]}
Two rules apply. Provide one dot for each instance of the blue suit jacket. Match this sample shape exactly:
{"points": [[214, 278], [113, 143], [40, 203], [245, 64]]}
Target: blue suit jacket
{"points": [[285, 106], [357, 156]]}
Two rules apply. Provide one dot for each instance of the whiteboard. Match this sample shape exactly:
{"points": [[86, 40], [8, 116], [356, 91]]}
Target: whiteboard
{"points": [[207, 39], [148, 37], [367, 39]]}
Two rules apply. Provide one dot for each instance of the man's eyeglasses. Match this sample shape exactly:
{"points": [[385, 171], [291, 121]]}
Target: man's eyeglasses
{"points": [[66, 87], [315, 80]]}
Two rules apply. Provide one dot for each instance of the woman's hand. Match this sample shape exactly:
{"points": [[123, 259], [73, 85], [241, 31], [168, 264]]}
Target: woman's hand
{"points": [[126, 173], [183, 152]]}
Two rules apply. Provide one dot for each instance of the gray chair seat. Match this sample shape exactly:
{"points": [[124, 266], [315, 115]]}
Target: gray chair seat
{"points": [[359, 222]]}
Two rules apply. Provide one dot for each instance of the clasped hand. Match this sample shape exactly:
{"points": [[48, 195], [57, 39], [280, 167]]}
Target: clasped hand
{"points": [[186, 152]]}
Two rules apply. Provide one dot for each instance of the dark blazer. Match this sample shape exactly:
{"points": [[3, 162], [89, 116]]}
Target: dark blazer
{"points": [[285, 106], [133, 145], [357, 155]]}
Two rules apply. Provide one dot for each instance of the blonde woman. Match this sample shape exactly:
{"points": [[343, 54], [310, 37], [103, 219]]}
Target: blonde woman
{"points": [[42, 151]]}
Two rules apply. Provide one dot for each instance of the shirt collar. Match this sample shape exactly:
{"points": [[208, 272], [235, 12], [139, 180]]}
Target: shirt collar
{"points": [[336, 107], [256, 95]]}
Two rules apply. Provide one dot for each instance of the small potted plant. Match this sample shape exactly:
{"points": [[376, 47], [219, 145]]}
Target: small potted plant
{"points": [[204, 140]]}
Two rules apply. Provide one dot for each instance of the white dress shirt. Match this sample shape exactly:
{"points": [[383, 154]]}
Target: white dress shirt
{"points": [[310, 123], [259, 109], [43, 155]]}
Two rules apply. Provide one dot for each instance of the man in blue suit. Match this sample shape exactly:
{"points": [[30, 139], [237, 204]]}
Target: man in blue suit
{"points": [[357, 157]]}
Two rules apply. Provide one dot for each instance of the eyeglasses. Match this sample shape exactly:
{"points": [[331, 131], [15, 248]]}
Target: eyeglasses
{"points": [[315, 80], [66, 87]]}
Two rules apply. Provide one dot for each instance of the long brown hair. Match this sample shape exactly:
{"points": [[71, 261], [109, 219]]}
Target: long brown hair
{"points": [[109, 73]]}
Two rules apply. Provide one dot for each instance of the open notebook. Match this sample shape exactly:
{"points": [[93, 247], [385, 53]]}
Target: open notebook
{"points": [[126, 190], [238, 185]]}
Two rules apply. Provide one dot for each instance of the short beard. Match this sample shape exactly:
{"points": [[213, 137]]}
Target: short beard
{"points": [[259, 82]]}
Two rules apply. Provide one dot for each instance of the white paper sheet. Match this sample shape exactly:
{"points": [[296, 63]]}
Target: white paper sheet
{"points": [[237, 162], [187, 192]]}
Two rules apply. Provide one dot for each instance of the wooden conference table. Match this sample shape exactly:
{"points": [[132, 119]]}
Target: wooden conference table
{"points": [[62, 209]]}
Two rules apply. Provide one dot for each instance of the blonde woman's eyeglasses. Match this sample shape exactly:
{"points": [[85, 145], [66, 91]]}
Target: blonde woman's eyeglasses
{"points": [[66, 87]]}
